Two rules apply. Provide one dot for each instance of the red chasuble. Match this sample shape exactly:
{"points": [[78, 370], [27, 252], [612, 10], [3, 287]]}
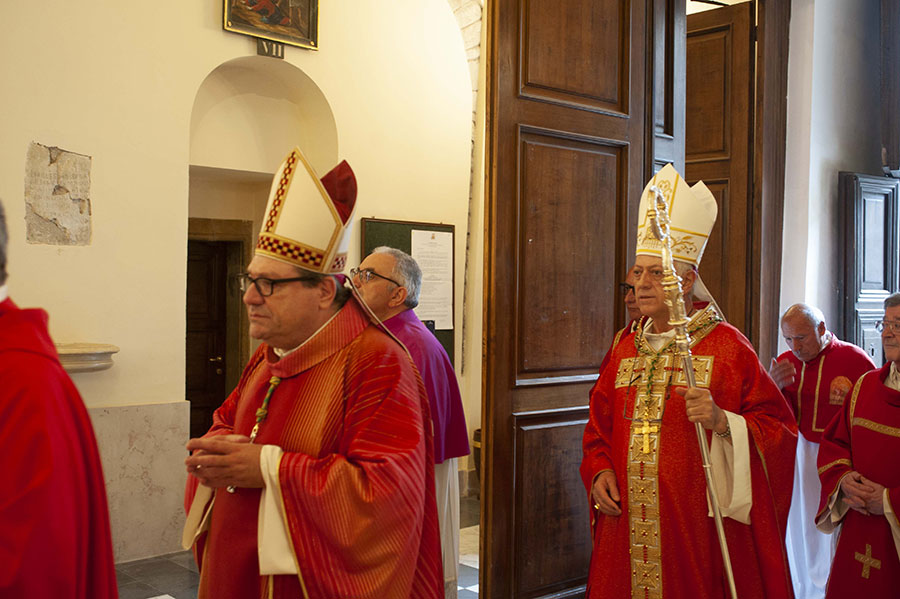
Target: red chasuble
{"points": [[357, 475], [54, 523], [451, 437], [865, 437], [822, 384], [664, 545]]}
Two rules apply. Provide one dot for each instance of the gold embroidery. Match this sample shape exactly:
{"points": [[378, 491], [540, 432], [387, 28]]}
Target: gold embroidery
{"points": [[839, 389], [650, 375], [625, 372], [645, 430], [868, 561], [703, 366], [815, 417], [855, 395], [876, 426], [800, 391], [843, 461]]}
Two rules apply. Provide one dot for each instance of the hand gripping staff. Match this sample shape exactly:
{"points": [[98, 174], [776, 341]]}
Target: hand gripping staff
{"points": [[671, 282]]}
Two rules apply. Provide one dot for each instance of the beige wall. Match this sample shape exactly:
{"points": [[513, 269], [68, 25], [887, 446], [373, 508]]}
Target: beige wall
{"points": [[120, 83], [833, 125]]}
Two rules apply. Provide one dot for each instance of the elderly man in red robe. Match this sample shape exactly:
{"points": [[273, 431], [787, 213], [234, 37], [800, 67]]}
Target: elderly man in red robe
{"points": [[816, 375], [316, 479], [652, 534], [861, 480], [389, 281], [54, 524]]}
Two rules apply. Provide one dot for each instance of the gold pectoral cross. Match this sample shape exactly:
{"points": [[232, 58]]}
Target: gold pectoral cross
{"points": [[645, 430]]}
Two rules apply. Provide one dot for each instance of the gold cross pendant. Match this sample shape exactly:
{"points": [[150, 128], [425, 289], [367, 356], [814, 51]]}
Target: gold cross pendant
{"points": [[645, 430]]}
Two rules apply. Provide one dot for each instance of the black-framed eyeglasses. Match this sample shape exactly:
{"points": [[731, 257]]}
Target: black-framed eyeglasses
{"points": [[893, 325], [365, 275], [264, 285], [626, 288]]}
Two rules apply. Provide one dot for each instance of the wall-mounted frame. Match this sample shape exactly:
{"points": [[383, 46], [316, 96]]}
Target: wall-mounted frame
{"points": [[401, 234], [292, 22]]}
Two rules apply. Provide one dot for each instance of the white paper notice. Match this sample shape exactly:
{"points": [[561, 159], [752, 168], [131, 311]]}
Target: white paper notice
{"points": [[433, 250]]}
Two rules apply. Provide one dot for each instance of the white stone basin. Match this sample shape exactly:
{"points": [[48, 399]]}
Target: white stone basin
{"points": [[86, 357]]}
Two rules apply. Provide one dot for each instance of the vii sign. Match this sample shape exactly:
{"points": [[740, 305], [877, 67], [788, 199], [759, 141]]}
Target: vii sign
{"points": [[269, 48]]}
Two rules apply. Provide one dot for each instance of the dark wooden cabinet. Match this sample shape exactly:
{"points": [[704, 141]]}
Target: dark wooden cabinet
{"points": [[870, 255]]}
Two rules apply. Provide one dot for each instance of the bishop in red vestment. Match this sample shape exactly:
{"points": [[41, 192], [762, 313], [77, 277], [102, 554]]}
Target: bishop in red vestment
{"points": [[316, 479], [642, 468], [860, 479], [54, 524]]}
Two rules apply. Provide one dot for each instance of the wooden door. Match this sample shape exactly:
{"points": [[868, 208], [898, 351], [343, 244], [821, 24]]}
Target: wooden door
{"points": [[567, 121], [205, 337], [870, 255], [718, 146]]}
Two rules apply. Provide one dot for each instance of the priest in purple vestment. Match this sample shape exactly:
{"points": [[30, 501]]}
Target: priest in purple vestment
{"points": [[389, 281]]}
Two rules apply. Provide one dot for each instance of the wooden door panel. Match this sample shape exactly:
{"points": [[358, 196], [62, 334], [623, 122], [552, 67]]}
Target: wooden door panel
{"points": [[547, 492], [205, 333], [572, 52], [717, 149], [567, 216], [566, 144], [709, 110]]}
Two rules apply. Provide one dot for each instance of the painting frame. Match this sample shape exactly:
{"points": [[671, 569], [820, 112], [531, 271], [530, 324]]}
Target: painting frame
{"points": [[290, 22]]}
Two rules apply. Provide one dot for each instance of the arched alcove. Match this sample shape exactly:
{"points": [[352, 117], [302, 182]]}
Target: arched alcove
{"points": [[250, 111]]}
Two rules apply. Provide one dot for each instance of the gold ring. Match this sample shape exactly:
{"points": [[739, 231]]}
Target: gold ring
{"points": [[596, 506]]}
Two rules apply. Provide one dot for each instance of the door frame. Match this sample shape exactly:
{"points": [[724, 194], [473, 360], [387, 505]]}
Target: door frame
{"points": [[237, 326]]}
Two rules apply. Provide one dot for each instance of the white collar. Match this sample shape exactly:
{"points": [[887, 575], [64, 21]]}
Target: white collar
{"points": [[893, 378]]}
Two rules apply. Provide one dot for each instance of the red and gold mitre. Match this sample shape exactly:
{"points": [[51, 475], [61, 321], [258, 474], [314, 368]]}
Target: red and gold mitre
{"points": [[692, 214], [308, 220]]}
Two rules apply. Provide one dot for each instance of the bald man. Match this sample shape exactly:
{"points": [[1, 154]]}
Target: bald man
{"points": [[816, 376]]}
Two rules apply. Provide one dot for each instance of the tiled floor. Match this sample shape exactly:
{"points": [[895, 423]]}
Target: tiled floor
{"points": [[175, 576]]}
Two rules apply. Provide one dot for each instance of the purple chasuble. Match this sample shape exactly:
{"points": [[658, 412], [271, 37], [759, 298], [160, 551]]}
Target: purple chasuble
{"points": [[451, 437]]}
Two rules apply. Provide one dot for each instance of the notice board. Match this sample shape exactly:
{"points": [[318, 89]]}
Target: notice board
{"points": [[426, 242]]}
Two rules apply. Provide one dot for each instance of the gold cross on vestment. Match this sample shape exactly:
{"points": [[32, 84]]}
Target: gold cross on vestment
{"points": [[645, 430], [868, 561]]}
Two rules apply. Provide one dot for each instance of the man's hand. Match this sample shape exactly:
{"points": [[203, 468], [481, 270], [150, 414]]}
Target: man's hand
{"points": [[605, 493], [700, 407], [862, 494], [858, 491], [783, 373], [228, 460]]}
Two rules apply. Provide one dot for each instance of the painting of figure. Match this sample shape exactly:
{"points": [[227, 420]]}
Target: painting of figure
{"points": [[293, 22]]}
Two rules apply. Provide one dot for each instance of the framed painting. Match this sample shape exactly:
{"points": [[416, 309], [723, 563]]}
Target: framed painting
{"points": [[292, 22]]}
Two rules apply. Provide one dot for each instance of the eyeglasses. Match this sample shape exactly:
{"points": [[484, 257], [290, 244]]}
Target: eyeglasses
{"points": [[626, 288], [265, 286], [655, 273], [365, 275], [894, 326]]}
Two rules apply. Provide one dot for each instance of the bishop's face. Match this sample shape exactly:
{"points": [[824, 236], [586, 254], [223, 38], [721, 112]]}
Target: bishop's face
{"points": [[889, 339], [647, 273]]}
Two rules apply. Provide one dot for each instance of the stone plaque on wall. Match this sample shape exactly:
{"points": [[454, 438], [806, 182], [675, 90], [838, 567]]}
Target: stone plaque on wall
{"points": [[57, 196]]}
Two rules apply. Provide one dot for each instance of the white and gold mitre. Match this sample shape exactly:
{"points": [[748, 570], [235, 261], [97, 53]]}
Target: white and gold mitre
{"points": [[308, 220], [692, 214]]}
